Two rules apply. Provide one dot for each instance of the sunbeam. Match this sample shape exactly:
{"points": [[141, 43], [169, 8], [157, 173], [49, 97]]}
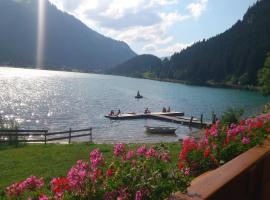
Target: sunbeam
{"points": [[41, 34]]}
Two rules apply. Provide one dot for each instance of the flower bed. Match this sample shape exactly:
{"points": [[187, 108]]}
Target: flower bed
{"points": [[146, 173]]}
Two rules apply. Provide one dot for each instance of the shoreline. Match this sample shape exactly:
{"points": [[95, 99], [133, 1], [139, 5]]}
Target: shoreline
{"points": [[210, 85]]}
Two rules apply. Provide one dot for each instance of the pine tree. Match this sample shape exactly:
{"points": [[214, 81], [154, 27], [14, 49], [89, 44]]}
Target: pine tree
{"points": [[264, 77]]}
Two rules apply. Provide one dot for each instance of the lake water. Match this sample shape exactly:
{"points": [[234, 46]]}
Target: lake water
{"points": [[60, 100]]}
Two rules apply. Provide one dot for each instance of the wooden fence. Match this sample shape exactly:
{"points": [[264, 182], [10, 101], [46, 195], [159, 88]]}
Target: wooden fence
{"points": [[245, 177], [44, 135]]}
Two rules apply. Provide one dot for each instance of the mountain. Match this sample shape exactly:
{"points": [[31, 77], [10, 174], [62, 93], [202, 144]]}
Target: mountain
{"points": [[69, 43], [233, 57], [142, 66]]}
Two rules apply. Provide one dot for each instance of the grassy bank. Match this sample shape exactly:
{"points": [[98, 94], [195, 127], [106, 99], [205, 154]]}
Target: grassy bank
{"points": [[50, 160]]}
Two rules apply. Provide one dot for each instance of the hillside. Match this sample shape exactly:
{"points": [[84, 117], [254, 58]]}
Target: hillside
{"points": [[69, 43], [233, 57], [142, 66]]}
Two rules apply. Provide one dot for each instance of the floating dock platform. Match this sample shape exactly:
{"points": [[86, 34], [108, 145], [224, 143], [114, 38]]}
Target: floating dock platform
{"points": [[174, 117]]}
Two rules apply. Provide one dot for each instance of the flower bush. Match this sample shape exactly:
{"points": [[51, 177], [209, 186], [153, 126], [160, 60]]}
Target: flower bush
{"points": [[221, 143], [146, 173], [142, 173]]}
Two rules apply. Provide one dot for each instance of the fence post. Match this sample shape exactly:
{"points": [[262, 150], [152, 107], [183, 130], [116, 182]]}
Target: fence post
{"points": [[45, 135], [191, 119], [16, 137], [69, 138], [91, 138]]}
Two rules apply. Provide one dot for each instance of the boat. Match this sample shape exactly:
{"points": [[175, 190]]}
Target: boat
{"points": [[160, 129], [138, 96]]}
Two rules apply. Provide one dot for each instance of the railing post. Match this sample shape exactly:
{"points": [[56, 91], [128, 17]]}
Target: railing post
{"points": [[69, 138], [91, 137], [45, 135], [16, 137]]}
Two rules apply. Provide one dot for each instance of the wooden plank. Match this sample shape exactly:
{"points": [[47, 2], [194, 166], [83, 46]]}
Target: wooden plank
{"points": [[21, 134], [22, 131], [67, 137]]}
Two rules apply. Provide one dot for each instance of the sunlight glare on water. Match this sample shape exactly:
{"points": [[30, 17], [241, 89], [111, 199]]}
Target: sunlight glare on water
{"points": [[41, 99]]}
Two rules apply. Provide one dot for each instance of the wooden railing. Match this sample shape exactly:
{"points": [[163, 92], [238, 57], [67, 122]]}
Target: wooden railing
{"points": [[44, 135], [246, 177]]}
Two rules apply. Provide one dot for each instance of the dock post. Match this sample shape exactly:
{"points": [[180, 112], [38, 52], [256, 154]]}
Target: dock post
{"points": [[201, 119], [69, 138], [191, 119], [214, 118]]}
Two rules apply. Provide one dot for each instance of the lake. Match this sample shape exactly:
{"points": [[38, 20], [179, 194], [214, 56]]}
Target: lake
{"points": [[59, 100]]}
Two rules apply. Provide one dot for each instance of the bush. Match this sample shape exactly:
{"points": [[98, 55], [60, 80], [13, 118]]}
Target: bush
{"points": [[8, 124], [231, 116]]}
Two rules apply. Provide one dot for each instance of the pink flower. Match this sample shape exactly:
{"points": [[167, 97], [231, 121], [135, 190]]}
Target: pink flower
{"points": [[141, 150], [165, 156], [130, 154], [138, 195], [96, 158], [187, 171], [43, 197], [245, 140], [77, 175], [30, 184], [214, 131], [119, 149], [151, 153]]}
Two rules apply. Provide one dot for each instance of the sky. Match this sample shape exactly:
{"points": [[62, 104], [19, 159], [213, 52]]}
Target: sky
{"points": [[159, 27]]}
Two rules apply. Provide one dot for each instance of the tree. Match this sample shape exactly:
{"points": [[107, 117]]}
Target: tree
{"points": [[264, 77]]}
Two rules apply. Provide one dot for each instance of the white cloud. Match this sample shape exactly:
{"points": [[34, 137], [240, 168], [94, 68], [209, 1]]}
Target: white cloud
{"points": [[118, 8], [164, 51], [140, 23], [197, 8]]}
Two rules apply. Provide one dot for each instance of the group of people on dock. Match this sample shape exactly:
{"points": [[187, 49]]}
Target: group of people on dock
{"points": [[146, 111], [164, 109]]}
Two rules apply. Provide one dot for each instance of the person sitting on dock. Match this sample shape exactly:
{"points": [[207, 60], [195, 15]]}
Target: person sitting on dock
{"points": [[163, 109], [169, 109], [118, 113], [111, 113], [146, 111]]}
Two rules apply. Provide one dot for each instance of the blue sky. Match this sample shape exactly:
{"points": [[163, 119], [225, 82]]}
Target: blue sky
{"points": [[159, 27]]}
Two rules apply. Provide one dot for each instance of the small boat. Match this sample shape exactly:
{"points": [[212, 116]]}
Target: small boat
{"points": [[160, 129], [138, 96]]}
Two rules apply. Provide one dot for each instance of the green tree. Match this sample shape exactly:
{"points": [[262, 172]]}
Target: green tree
{"points": [[264, 77]]}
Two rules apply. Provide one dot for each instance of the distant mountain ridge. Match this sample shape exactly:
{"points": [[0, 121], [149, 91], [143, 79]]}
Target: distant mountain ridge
{"points": [[69, 44], [233, 57], [139, 66]]}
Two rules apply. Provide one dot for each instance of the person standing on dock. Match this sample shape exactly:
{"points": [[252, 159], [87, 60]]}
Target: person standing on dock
{"points": [[163, 109]]}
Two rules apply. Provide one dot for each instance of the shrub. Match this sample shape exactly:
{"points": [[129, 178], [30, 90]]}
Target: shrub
{"points": [[231, 116], [8, 124]]}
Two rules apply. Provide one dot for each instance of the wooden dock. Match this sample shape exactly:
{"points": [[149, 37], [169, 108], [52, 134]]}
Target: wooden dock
{"points": [[174, 117]]}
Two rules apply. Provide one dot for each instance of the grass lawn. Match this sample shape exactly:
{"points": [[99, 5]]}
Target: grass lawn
{"points": [[51, 160]]}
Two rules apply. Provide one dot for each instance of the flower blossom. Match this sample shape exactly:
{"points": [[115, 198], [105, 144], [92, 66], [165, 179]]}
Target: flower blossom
{"points": [[96, 158], [119, 149]]}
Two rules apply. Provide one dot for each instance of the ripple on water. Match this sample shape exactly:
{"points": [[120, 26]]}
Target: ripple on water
{"points": [[59, 100]]}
